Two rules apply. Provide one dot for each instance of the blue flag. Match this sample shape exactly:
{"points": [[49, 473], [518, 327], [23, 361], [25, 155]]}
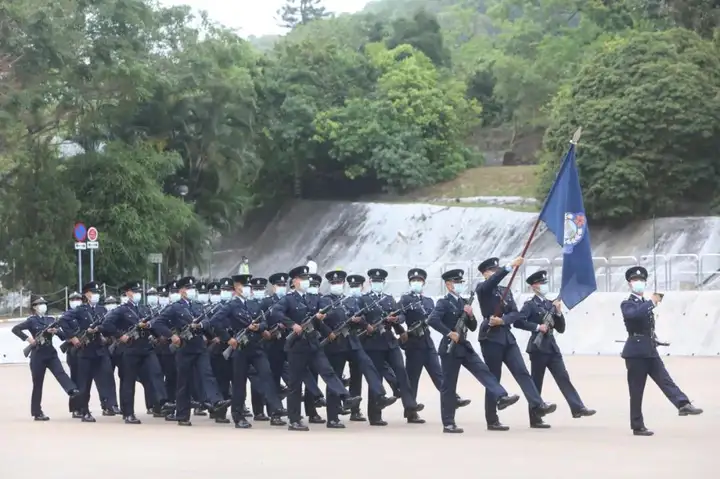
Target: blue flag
{"points": [[564, 215]]}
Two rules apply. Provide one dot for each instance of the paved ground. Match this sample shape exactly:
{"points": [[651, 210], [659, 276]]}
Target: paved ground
{"points": [[597, 447]]}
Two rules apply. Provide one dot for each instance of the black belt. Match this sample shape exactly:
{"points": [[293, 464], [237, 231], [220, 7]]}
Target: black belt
{"points": [[639, 334]]}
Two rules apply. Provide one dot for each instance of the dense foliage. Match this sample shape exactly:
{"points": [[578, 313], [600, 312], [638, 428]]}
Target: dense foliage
{"points": [[110, 109]]}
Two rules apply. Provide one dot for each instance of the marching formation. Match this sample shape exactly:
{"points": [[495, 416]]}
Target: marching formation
{"points": [[194, 346]]}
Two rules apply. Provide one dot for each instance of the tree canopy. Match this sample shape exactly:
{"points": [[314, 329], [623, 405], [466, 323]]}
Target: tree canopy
{"points": [[163, 129]]}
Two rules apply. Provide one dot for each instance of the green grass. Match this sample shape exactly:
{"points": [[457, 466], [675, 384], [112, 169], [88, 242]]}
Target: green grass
{"points": [[485, 181]]}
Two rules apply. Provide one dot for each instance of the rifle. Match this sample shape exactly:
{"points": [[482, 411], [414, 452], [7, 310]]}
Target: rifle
{"points": [[418, 329], [547, 321], [461, 327], [186, 333], [41, 339], [379, 326], [85, 337], [242, 337], [344, 328], [133, 333], [306, 324]]}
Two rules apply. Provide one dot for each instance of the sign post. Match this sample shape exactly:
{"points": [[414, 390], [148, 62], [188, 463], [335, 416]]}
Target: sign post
{"points": [[79, 233], [92, 245], [156, 258]]}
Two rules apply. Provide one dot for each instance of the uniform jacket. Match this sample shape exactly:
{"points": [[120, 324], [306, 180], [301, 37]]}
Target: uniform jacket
{"points": [[444, 318], [417, 313], [640, 324], [235, 316], [377, 306], [175, 317], [75, 321], [292, 309], [34, 325], [349, 306], [489, 293], [532, 315]]}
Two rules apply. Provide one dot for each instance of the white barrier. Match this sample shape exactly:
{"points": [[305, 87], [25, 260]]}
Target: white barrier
{"points": [[690, 321]]}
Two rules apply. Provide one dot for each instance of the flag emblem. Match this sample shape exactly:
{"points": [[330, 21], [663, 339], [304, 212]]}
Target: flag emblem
{"points": [[574, 231]]}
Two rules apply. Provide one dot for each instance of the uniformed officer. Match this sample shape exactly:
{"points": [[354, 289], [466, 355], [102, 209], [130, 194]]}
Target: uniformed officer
{"points": [[276, 344], [542, 318], [313, 397], [132, 329], [345, 346], [203, 296], [110, 303], [221, 368], [165, 355], [74, 300], [303, 347], [640, 352], [110, 404], [420, 351], [498, 343], [150, 309], [246, 319], [456, 351], [381, 345], [43, 356], [83, 328], [191, 357]]}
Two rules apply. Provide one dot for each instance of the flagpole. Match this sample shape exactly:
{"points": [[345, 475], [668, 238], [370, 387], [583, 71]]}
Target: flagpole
{"points": [[573, 141]]}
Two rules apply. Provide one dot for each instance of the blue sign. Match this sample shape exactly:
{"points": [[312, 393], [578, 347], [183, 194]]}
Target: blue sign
{"points": [[79, 232]]}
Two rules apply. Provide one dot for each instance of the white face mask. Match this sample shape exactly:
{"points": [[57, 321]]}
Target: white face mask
{"points": [[123, 299], [377, 287], [42, 309], [174, 297], [416, 286], [137, 297], [356, 291], [246, 291], [313, 290], [336, 289], [280, 291], [304, 284], [215, 298], [74, 304], [163, 300], [192, 293], [543, 289], [94, 298], [110, 307], [203, 297], [460, 288], [638, 287], [258, 293], [225, 294], [152, 300]]}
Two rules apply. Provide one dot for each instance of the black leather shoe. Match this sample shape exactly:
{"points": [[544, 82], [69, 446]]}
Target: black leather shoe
{"points": [[352, 402], [220, 405], [116, 410], [384, 401], [496, 426], [77, 415], [417, 408], [41, 417], [222, 420], [357, 416], [379, 422], [642, 432], [689, 410], [460, 402], [277, 421], [282, 412], [73, 393], [132, 419], [453, 429], [320, 402], [243, 424], [171, 417], [544, 409], [345, 411], [298, 426], [247, 412], [88, 418], [260, 418], [185, 422], [158, 414], [507, 401], [335, 425], [415, 419], [108, 412], [149, 412], [539, 425], [199, 412], [316, 419], [584, 412]]}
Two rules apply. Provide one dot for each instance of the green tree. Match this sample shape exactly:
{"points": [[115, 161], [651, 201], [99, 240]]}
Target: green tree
{"points": [[649, 104], [301, 12]]}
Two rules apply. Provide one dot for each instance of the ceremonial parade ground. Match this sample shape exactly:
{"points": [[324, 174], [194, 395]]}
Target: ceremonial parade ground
{"points": [[597, 447]]}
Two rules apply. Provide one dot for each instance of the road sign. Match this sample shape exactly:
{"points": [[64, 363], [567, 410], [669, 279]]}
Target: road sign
{"points": [[93, 244], [79, 232], [92, 234], [155, 258], [80, 246]]}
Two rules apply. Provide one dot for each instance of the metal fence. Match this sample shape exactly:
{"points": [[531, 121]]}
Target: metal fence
{"points": [[673, 272]]}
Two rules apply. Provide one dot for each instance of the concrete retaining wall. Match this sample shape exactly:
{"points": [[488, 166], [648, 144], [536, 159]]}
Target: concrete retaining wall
{"points": [[690, 321]]}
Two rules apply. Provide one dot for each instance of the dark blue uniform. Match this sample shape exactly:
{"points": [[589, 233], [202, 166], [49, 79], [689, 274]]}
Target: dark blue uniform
{"points": [[420, 351], [382, 347], [642, 359], [92, 359], [42, 358], [138, 358], [499, 345], [236, 316], [191, 358], [547, 355], [222, 369], [444, 319], [303, 351], [344, 349]]}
